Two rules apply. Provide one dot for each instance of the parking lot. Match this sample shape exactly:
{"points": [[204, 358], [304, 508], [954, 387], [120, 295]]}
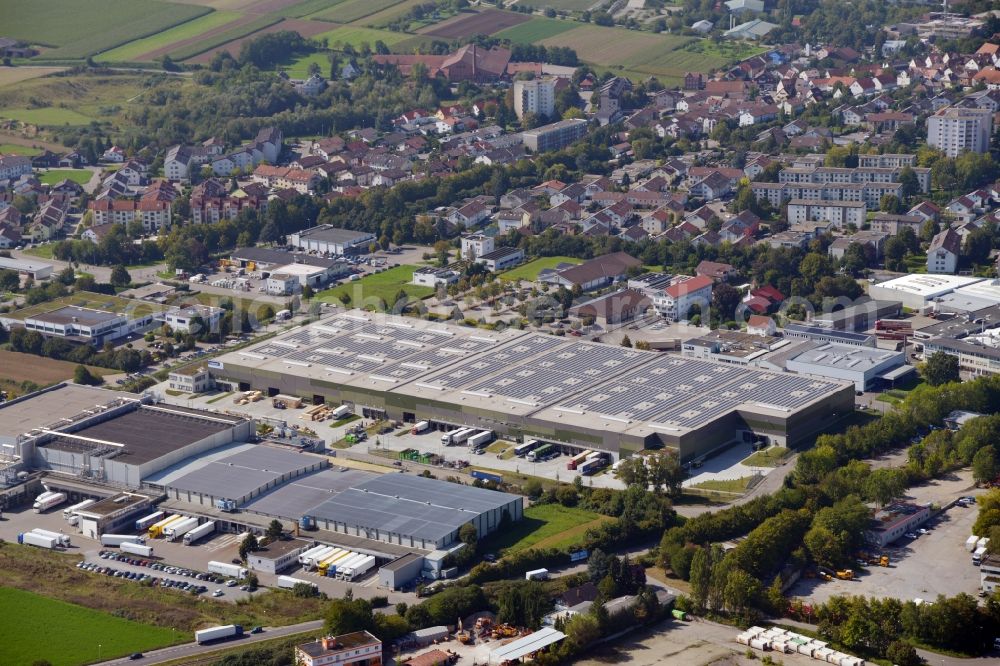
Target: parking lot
{"points": [[221, 547], [922, 568]]}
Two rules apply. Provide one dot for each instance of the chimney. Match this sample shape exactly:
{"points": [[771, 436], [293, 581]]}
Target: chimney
{"points": [[327, 642]]}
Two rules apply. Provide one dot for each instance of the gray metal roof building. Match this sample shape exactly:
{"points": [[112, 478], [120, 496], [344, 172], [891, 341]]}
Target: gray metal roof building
{"points": [[517, 383], [327, 239]]}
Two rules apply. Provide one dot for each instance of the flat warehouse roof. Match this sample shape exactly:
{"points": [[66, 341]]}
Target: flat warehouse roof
{"points": [[71, 315], [927, 285], [149, 432], [245, 471], [846, 357], [296, 499], [49, 407], [328, 234]]}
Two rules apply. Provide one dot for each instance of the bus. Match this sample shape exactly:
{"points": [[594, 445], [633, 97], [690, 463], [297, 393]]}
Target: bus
{"points": [[522, 450]]}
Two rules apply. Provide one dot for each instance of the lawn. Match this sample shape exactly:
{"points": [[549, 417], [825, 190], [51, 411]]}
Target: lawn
{"points": [[367, 292], [354, 36], [299, 68], [37, 627], [352, 10], [770, 457], [46, 116], [735, 486], [53, 176], [536, 30], [78, 28], [42, 251], [134, 50], [27, 151], [530, 270], [545, 526]]}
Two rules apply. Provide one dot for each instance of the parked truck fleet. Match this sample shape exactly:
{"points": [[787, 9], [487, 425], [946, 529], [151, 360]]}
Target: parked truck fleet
{"points": [[48, 500]]}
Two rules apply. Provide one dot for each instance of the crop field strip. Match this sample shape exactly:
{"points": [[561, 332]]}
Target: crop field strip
{"points": [[468, 24], [307, 29], [352, 10], [537, 29], [241, 28], [355, 35], [148, 49]]}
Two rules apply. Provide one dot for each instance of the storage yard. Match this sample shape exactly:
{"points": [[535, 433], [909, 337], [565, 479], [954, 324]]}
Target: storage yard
{"points": [[523, 385]]}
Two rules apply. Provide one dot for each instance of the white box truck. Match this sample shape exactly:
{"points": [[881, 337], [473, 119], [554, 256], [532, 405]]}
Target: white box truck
{"points": [[70, 511], [46, 503], [136, 549], [225, 569], [977, 557], [537, 574], [199, 532], [218, 633], [61, 539], [119, 539], [982, 543], [287, 582], [971, 542], [32, 539], [176, 530]]}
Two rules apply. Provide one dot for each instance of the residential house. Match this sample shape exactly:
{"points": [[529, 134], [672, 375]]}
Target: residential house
{"points": [[675, 302], [943, 252]]}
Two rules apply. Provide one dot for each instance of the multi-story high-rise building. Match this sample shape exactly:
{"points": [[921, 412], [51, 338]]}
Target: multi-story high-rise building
{"points": [[536, 96], [954, 130]]}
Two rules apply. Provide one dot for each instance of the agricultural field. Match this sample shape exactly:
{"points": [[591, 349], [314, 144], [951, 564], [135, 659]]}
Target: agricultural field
{"points": [[18, 368], [304, 28], [238, 29], [616, 46], [568, 5], [545, 526], [64, 634], [79, 28], [354, 36], [469, 24], [26, 151], [537, 29], [53, 176], [366, 292], [352, 10], [530, 270], [306, 7], [149, 48], [12, 75], [390, 14]]}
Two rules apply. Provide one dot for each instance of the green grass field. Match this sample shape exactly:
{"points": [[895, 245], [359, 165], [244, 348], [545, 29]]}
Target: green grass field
{"points": [[770, 457], [307, 7], [36, 627], [46, 116], [536, 30], [545, 526], [736, 486], [78, 28], [530, 270], [53, 176], [27, 151], [354, 36], [567, 5], [134, 50], [299, 68], [366, 292], [224, 37], [352, 10]]}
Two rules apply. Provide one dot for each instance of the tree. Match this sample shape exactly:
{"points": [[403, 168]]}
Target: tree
{"points": [[274, 530], [725, 300], [701, 577], [941, 368], [251, 581], [82, 375], [582, 629], [626, 342], [632, 471], [120, 276], [598, 565], [890, 203], [885, 485], [467, 534], [347, 615], [909, 182], [247, 546], [984, 464], [902, 653], [665, 472]]}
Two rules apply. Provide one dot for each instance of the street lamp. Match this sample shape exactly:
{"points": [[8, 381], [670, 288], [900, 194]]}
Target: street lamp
{"points": [[98, 652]]}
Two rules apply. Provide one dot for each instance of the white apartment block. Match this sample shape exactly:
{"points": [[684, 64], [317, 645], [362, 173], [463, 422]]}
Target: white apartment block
{"points": [[536, 96], [955, 130], [838, 213]]}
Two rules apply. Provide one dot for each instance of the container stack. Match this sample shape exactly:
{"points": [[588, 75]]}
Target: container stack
{"points": [[789, 642]]}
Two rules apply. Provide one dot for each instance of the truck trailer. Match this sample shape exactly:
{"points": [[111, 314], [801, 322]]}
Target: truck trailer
{"points": [[70, 511], [46, 503], [287, 582], [33, 539], [480, 439], [119, 539], [337, 569], [304, 556], [61, 539], [144, 522], [522, 450], [202, 530], [540, 453], [313, 560], [577, 459], [156, 529], [977, 557], [225, 569], [218, 633], [419, 427], [136, 549], [358, 569], [176, 530]]}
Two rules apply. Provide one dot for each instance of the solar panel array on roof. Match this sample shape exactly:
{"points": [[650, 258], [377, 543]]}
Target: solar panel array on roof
{"points": [[687, 392], [510, 355]]}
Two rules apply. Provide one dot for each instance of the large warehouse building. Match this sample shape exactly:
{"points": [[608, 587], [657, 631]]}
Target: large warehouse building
{"points": [[525, 384]]}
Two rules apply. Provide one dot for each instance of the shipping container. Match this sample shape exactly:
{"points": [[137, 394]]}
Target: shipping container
{"points": [[225, 569], [136, 549], [217, 633], [288, 582], [48, 502], [61, 539], [522, 450], [199, 532], [420, 427], [69, 512], [119, 539], [144, 522], [176, 530], [32, 539]]}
